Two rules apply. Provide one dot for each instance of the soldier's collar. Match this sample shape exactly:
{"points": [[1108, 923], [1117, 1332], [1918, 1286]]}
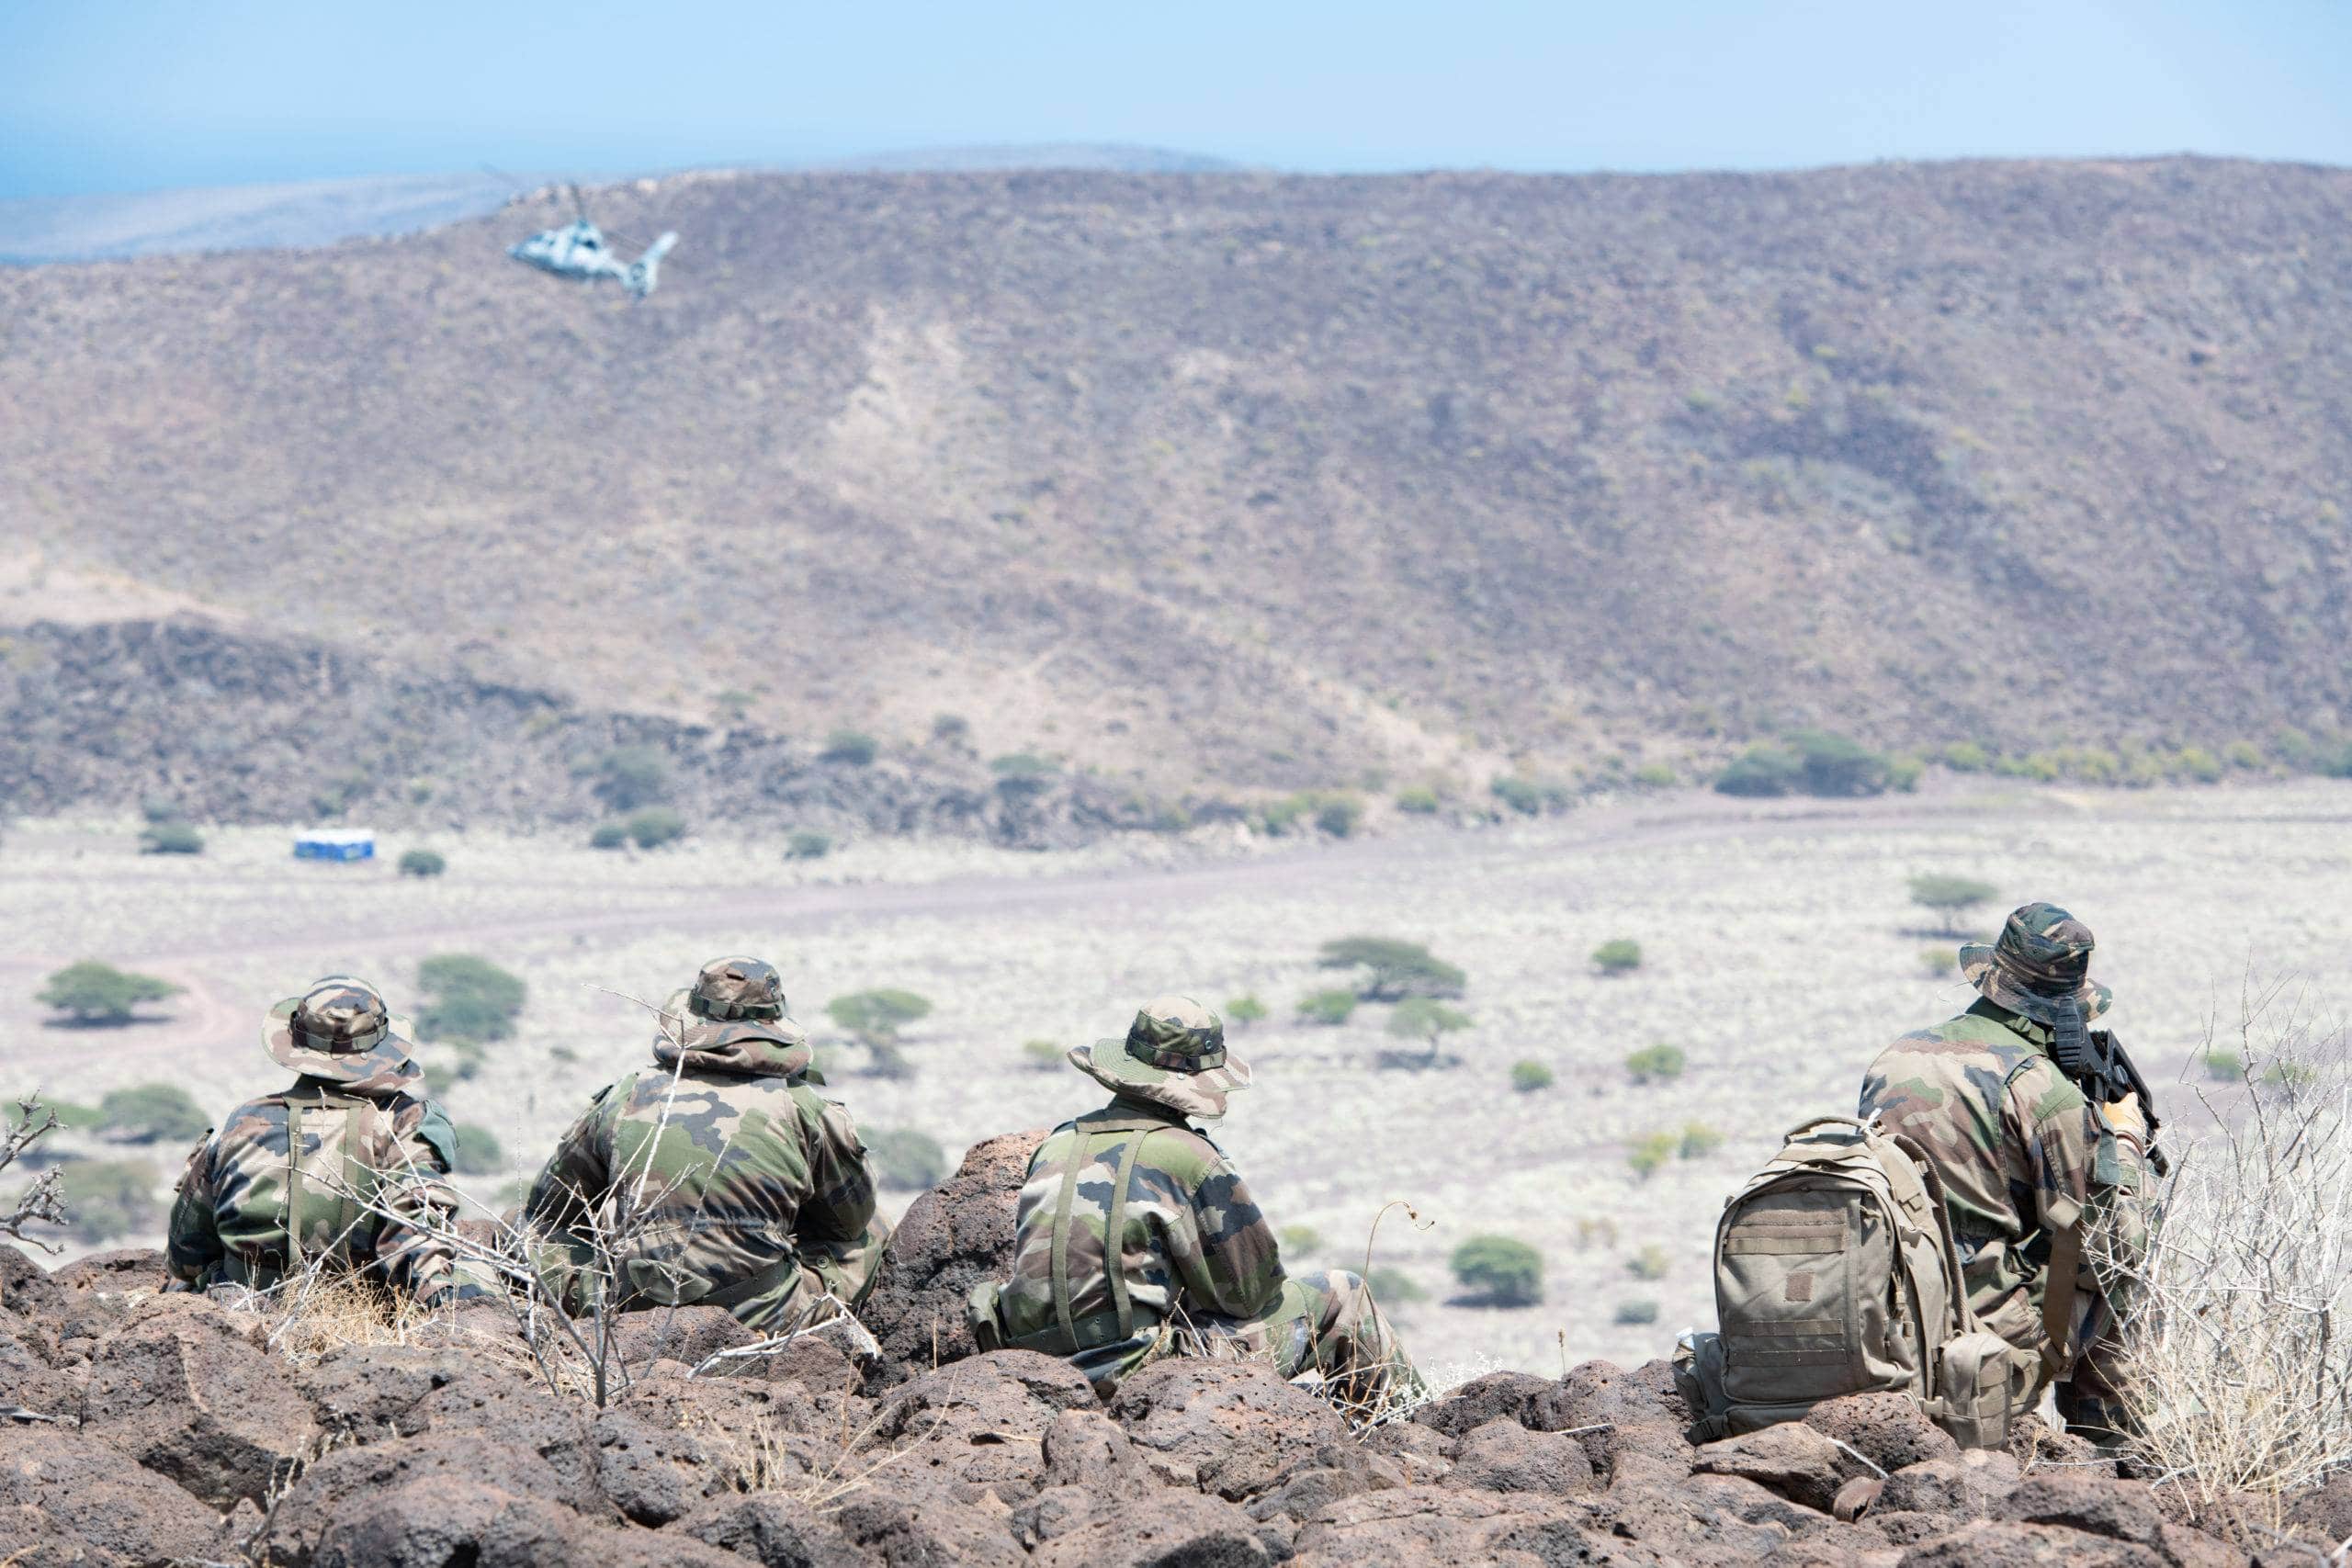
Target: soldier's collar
{"points": [[2017, 1023]]}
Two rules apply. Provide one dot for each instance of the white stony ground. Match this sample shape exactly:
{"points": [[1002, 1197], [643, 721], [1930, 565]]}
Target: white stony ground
{"points": [[1779, 953]]}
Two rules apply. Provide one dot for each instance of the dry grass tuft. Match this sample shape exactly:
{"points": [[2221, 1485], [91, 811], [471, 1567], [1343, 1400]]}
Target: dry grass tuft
{"points": [[2232, 1340]]}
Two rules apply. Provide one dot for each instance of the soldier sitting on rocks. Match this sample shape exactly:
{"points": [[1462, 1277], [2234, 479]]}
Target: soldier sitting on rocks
{"points": [[344, 1171], [721, 1175], [2046, 1187], [1197, 1269]]}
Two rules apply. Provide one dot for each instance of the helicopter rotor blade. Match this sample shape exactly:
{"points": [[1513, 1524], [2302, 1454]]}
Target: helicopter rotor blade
{"points": [[578, 205]]}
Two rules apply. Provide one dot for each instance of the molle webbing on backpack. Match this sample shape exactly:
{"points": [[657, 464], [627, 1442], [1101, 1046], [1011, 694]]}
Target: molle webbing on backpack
{"points": [[1088, 1136]]}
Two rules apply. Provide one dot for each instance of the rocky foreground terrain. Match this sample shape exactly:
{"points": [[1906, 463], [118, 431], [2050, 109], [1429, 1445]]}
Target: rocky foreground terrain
{"points": [[152, 1428]]}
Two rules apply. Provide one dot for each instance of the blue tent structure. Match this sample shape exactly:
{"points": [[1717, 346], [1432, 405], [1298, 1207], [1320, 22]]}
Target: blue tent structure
{"points": [[339, 843]]}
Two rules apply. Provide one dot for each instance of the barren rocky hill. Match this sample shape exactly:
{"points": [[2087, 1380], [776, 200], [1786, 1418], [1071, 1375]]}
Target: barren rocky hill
{"points": [[139, 1427], [1256, 480]]}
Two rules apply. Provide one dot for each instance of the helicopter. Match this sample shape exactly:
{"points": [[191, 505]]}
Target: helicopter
{"points": [[578, 250]]}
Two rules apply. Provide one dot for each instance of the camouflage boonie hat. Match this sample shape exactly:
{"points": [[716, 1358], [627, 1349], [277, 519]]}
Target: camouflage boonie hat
{"points": [[737, 987], [1173, 1054], [2041, 962], [339, 1030], [737, 1006]]}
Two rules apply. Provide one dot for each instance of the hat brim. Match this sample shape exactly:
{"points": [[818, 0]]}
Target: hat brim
{"points": [[1196, 1094], [388, 1055], [1995, 986]]}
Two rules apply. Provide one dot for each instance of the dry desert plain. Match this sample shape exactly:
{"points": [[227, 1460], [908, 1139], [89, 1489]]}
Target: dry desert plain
{"points": [[1779, 951]]}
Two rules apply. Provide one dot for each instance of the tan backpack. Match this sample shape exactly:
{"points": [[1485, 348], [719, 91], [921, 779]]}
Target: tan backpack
{"points": [[1835, 1274]]}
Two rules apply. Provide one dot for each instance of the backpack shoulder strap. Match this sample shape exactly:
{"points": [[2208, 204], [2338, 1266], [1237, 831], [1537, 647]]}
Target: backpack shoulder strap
{"points": [[1088, 1135]]}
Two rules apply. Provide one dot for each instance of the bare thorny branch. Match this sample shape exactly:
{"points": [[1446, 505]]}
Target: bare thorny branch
{"points": [[41, 1203]]}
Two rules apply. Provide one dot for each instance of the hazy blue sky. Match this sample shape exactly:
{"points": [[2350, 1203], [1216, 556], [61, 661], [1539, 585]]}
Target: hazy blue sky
{"points": [[140, 94]]}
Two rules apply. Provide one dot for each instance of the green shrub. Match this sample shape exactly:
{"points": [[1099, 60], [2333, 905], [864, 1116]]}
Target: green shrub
{"points": [[439, 1081], [1529, 1076], [1656, 1064], [1650, 1263], [1339, 815], [100, 994], [806, 845], [1632, 1312], [1699, 1141], [1504, 1272], [468, 1001], [2243, 754], [109, 1199], [423, 863], [152, 1113], [1421, 800], [477, 1151], [1393, 970], [1299, 1239], [1590, 1231], [1044, 1055], [1761, 772], [1394, 1287], [1965, 757], [655, 825], [1904, 773], [2289, 1076], [905, 1157], [733, 703], [156, 811], [171, 838], [1023, 774], [1938, 962], [951, 730], [1948, 898], [854, 747], [1530, 797], [1426, 1018], [1650, 1152], [608, 836], [1330, 1008], [1837, 767], [2198, 764], [1654, 775], [1244, 1010], [631, 776], [2222, 1066], [1618, 957], [74, 1117]]}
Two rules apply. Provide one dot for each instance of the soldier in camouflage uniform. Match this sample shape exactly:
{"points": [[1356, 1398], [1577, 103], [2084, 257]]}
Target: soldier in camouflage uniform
{"points": [[299, 1178], [2029, 1163], [726, 1179], [1197, 1270]]}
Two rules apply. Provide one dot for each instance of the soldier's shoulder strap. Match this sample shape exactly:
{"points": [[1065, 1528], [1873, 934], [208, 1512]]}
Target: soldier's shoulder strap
{"points": [[1092, 1131]]}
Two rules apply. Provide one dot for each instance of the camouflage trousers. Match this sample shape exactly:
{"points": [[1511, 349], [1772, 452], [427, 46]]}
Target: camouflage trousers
{"points": [[770, 1302], [1327, 1324]]}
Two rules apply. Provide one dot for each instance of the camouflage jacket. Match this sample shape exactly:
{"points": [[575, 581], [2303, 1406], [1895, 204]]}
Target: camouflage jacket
{"points": [[249, 1211], [2014, 1141], [1192, 1246], [732, 1183]]}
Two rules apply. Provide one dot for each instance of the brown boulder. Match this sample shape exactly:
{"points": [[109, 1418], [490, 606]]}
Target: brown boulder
{"points": [[1503, 1455], [2003, 1543], [1431, 1527], [30, 1378], [1791, 1461], [1887, 1429], [339, 1484], [502, 1404], [686, 1334], [1232, 1427], [953, 1237], [57, 1483], [1497, 1396], [445, 1520], [2118, 1511], [185, 1389], [979, 1424], [1619, 1413], [773, 1529], [370, 1392], [1969, 1486], [905, 1520], [1162, 1528], [24, 1288]]}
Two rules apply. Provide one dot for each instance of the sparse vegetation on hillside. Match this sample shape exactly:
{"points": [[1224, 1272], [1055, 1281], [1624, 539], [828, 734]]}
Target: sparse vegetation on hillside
{"points": [[1243, 1010], [1427, 1019], [109, 1199], [1330, 1008], [853, 747], [1044, 1055], [423, 863], [1815, 762], [171, 838], [1656, 1064], [807, 845], [628, 777], [93, 993], [479, 1152], [1500, 1270], [653, 826], [1527, 1076]]}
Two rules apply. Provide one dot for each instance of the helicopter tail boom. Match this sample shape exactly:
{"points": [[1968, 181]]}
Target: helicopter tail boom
{"points": [[645, 271]]}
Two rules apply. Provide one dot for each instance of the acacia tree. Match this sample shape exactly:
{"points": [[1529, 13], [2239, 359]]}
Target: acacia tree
{"points": [[1393, 970], [96, 993], [873, 1017], [1426, 1017], [1949, 897]]}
